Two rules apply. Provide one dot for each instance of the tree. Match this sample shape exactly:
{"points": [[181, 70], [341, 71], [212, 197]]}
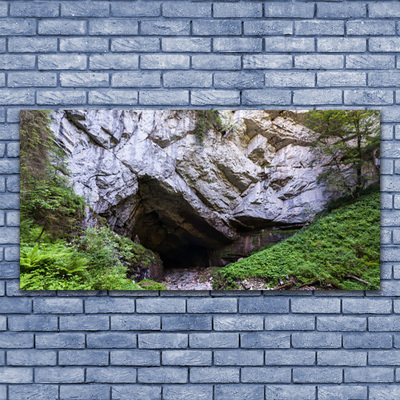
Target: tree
{"points": [[348, 143]]}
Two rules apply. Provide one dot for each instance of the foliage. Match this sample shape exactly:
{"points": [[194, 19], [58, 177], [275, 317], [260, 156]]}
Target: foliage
{"points": [[350, 141], [326, 254], [206, 120]]}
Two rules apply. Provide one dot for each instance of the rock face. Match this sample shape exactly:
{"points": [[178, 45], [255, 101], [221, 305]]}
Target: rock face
{"points": [[148, 175]]}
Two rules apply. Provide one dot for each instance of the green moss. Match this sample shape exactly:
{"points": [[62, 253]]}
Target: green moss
{"points": [[344, 243]]}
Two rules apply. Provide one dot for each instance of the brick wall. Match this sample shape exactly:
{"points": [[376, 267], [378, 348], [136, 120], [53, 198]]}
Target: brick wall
{"points": [[199, 345]]}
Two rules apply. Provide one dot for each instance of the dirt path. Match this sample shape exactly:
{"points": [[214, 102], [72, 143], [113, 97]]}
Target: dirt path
{"points": [[187, 279]]}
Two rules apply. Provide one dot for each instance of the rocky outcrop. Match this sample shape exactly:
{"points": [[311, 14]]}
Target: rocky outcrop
{"points": [[148, 175]]}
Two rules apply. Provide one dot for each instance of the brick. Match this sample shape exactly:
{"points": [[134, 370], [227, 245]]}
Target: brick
{"points": [[15, 305], [368, 97], [289, 44], [194, 45], [341, 45], [186, 357], [136, 392], [220, 97], [342, 358], [19, 26], [387, 44], [212, 305], [319, 61], [110, 375], [135, 44], [85, 9], [59, 375], [61, 27], [289, 323], [32, 79], [187, 323], [180, 9], [238, 10], [241, 323], [374, 28], [312, 340], [370, 61], [239, 80], [289, 79], [315, 306], [382, 392], [214, 375], [384, 10], [386, 323], [83, 357], [317, 96], [83, 79], [165, 28], [216, 27], [344, 392], [51, 97], [313, 375], [367, 306], [259, 96], [16, 340], [3, 323], [3, 9], [89, 45], [111, 340], [17, 61], [163, 340], [342, 78], [367, 341], [37, 392], [238, 357], [369, 375], [263, 305], [381, 79], [179, 392], [107, 305], [135, 322], [31, 357], [135, 357], [84, 322], [98, 392], [32, 323], [10, 270], [216, 62], [214, 340], [268, 27], [290, 357], [129, 9], [164, 61], [32, 45], [341, 323], [237, 45], [162, 375], [235, 392], [187, 79], [113, 61], [384, 357], [113, 97], [323, 28], [61, 61], [288, 10], [168, 98], [57, 306], [345, 11], [16, 375], [289, 392], [2, 84], [13, 181], [264, 340], [37, 9], [263, 375], [111, 26], [136, 79]]}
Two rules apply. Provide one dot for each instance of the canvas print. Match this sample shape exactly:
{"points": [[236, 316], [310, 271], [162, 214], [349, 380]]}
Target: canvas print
{"points": [[200, 200]]}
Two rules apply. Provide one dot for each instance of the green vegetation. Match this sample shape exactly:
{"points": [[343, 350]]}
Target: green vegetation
{"points": [[58, 252], [337, 251], [210, 119]]}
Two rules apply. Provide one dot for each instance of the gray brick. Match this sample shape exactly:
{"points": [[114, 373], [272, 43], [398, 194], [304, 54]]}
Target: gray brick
{"points": [[186, 79], [187, 323], [84, 322], [367, 341], [31, 357], [384, 10], [241, 323], [263, 305], [342, 358], [217, 27], [136, 79], [238, 357], [265, 340], [129, 9], [98, 392], [18, 26], [341, 45], [186, 357], [237, 45], [242, 392], [110, 375], [238, 10], [387, 44], [101, 306], [324, 28], [214, 375], [288, 10], [367, 306], [319, 61], [89, 45], [111, 26], [212, 305], [32, 45], [13, 181], [194, 45], [346, 10], [214, 340], [290, 357], [163, 340], [136, 392], [15, 305], [3, 323], [341, 323], [289, 323], [10, 270], [85, 9], [184, 9], [259, 96], [32, 323], [135, 322], [384, 357], [60, 340], [165, 28], [290, 392], [216, 62], [220, 97], [83, 79], [135, 357], [13, 151], [61, 61], [51, 97], [382, 392], [365, 27], [386, 323], [16, 375], [8, 166], [179, 392], [3, 9], [325, 306], [8, 234], [345, 392], [342, 78], [164, 61], [2, 84], [113, 61], [34, 79], [368, 97], [370, 61], [317, 96], [110, 96], [135, 44], [83, 357], [314, 375], [160, 305], [320, 340], [368, 374], [61, 27], [36, 9], [268, 27], [381, 78], [263, 375], [288, 44], [289, 79], [17, 61], [111, 340], [176, 98], [59, 375], [37, 392], [16, 340], [162, 375]]}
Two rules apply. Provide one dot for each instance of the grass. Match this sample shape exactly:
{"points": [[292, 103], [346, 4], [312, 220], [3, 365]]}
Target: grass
{"points": [[327, 254]]}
